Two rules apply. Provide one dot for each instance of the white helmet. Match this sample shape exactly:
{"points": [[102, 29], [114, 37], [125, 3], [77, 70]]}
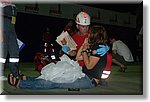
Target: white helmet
{"points": [[83, 18]]}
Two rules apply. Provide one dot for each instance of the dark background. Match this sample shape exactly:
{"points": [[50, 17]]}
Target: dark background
{"points": [[30, 27]]}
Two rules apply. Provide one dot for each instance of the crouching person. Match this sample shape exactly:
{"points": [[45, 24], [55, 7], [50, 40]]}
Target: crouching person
{"points": [[93, 69]]}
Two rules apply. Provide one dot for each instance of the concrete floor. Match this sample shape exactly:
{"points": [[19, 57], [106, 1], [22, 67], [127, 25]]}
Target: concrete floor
{"points": [[119, 83]]}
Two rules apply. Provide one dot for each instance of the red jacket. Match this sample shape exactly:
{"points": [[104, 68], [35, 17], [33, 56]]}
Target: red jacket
{"points": [[79, 40]]}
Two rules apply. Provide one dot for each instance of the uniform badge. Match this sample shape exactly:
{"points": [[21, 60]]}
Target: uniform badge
{"points": [[13, 20]]}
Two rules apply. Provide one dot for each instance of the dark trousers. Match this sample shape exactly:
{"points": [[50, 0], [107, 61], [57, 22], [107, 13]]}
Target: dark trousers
{"points": [[10, 45], [119, 59]]}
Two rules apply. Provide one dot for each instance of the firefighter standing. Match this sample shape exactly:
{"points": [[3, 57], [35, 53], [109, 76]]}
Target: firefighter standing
{"points": [[9, 43]]}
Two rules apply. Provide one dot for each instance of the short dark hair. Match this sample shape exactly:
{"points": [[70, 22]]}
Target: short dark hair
{"points": [[113, 36]]}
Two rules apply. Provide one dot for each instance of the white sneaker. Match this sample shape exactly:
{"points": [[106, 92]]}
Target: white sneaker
{"points": [[3, 78]]}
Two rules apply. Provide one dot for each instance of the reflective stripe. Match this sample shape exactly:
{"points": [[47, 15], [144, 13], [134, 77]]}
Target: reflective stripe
{"points": [[104, 76], [13, 59], [45, 50], [2, 60], [106, 72]]}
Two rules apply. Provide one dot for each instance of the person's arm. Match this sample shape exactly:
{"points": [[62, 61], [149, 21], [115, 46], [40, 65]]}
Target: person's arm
{"points": [[91, 61], [114, 51], [79, 56], [114, 48], [72, 53]]}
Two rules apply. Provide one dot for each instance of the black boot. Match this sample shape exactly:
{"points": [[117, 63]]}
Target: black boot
{"points": [[14, 69]]}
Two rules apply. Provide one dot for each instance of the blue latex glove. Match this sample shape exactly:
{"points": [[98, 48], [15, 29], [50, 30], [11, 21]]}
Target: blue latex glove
{"points": [[102, 50], [65, 49]]}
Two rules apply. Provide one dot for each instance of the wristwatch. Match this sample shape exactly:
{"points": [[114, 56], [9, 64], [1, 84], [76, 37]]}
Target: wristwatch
{"points": [[83, 51]]}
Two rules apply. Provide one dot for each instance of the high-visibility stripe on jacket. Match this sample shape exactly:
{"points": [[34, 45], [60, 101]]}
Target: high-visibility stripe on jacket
{"points": [[12, 60], [2, 60]]}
